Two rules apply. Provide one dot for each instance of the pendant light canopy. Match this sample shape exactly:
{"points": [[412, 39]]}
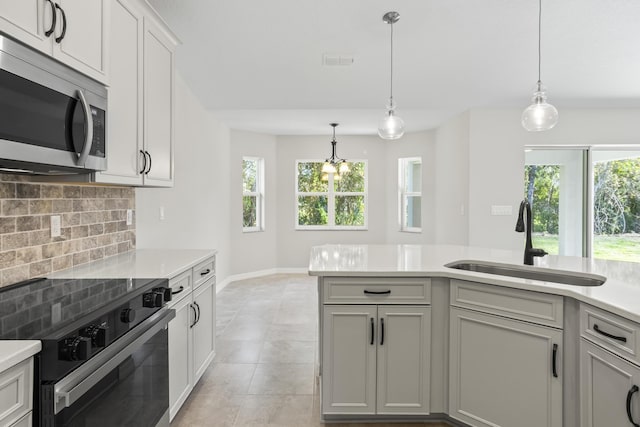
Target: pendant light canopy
{"points": [[391, 126], [540, 115], [334, 165]]}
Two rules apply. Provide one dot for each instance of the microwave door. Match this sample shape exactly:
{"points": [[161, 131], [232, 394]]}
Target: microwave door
{"points": [[79, 127]]}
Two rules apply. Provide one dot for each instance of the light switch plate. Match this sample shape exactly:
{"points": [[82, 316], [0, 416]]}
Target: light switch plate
{"points": [[129, 216], [501, 210], [55, 226]]}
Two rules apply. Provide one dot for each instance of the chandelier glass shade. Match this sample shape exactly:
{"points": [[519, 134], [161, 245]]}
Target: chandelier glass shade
{"points": [[334, 165]]}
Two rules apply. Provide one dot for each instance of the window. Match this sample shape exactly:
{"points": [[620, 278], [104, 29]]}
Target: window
{"points": [[339, 203], [585, 201], [410, 194], [252, 194]]}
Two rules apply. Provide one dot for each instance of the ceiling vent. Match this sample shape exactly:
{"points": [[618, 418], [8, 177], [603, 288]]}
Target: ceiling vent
{"points": [[337, 60]]}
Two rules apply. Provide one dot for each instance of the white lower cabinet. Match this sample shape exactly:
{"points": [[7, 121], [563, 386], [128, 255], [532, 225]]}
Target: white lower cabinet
{"points": [[16, 394], [504, 372], [204, 334], [610, 394], [180, 348], [191, 332], [375, 360]]}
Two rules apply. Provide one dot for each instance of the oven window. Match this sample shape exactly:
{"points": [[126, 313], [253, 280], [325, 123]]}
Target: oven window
{"points": [[134, 394]]}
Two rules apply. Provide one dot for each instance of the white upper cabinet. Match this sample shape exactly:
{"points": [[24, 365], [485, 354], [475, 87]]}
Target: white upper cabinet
{"points": [[125, 125], [72, 31], [158, 104], [140, 111], [27, 21]]}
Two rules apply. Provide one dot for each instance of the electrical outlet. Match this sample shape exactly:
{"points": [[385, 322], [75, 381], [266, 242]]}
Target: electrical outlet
{"points": [[55, 226], [129, 216], [56, 313], [161, 213], [501, 210]]}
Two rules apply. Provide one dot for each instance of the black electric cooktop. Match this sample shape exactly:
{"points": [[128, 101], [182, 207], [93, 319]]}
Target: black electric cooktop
{"points": [[48, 308]]}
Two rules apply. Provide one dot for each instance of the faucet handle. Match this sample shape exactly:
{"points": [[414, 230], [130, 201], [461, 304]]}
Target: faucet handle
{"points": [[538, 252]]}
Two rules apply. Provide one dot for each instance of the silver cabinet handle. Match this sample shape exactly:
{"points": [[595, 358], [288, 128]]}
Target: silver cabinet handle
{"points": [[88, 129]]}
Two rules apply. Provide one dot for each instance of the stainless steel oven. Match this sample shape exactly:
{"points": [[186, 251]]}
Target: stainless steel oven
{"points": [[52, 118]]}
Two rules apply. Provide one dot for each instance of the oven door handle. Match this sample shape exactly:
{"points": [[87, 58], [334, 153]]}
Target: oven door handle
{"points": [[88, 129], [77, 383]]}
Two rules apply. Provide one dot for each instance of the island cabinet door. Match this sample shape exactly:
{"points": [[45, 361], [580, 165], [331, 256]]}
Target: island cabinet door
{"points": [[504, 372], [349, 359], [609, 389], [404, 336]]}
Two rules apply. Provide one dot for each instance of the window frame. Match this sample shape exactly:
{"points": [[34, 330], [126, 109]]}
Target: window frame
{"points": [[258, 194], [403, 194], [331, 194]]}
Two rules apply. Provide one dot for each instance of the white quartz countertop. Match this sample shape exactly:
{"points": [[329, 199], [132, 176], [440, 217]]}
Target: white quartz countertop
{"points": [[620, 294], [140, 263], [14, 352]]}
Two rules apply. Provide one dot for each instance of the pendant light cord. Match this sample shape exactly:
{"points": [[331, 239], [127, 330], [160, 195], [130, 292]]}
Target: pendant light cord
{"points": [[391, 86], [539, 39]]}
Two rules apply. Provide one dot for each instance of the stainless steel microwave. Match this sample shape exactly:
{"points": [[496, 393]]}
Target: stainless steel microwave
{"points": [[52, 118]]}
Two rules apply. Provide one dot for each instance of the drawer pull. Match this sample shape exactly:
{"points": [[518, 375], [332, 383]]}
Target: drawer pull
{"points": [[205, 272], [178, 291], [554, 361], [387, 292], [372, 332], [629, 396], [601, 332]]}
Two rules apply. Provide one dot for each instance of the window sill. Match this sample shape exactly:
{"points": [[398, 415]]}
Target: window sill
{"points": [[252, 230], [322, 228], [411, 230]]}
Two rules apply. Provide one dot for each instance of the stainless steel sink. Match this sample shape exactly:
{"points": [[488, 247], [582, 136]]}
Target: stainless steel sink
{"points": [[532, 273]]}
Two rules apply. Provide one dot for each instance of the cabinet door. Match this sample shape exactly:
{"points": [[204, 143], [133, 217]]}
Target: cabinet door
{"points": [[501, 371], [349, 359], [125, 96], [404, 337], [158, 104], [204, 331], [180, 352], [27, 21], [606, 382], [85, 43]]}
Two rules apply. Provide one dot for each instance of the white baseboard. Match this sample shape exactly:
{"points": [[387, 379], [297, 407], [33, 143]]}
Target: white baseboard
{"points": [[260, 273]]}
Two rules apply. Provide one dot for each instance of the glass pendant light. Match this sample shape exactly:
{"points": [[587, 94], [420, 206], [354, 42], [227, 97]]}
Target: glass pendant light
{"points": [[391, 126], [334, 165], [540, 115]]}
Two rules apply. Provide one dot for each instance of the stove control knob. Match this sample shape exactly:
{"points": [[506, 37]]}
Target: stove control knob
{"points": [[77, 348], [97, 334], [153, 299], [128, 315]]}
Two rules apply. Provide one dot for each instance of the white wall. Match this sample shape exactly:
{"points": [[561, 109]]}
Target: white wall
{"points": [[496, 160], [452, 181], [293, 245], [420, 144], [197, 207], [253, 251]]}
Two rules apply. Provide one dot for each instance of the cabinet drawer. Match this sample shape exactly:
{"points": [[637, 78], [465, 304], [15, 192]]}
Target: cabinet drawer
{"points": [[181, 286], [203, 271], [15, 392], [360, 290], [529, 306], [610, 331]]}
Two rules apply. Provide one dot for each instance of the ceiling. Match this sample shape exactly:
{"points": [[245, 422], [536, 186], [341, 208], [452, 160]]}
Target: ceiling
{"points": [[259, 64]]}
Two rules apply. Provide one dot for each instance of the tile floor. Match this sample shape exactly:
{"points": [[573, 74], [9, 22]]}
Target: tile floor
{"points": [[264, 370]]}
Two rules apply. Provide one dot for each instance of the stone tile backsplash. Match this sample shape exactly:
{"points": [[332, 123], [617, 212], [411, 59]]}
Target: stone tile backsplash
{"points": [[93, 226]]}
